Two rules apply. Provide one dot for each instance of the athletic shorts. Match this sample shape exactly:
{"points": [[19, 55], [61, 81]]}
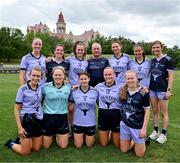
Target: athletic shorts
{"points": [[157, 95], [128, 133], [32, 125], [55, 124], [89, 131], [109, 120]]}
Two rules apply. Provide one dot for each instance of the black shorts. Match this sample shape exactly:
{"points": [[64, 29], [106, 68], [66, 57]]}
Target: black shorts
{"points": [[89, 131], [109, 120], [32, 125], [55, 124]]}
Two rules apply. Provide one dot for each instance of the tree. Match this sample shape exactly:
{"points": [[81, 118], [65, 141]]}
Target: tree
{"points": [[12, 43]]}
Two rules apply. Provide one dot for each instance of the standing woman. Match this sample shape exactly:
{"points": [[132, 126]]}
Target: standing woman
{"points": [[119, 61], [33, 59], [135, 113], [109, 106], [84, 122], [57, 60], [141, 65], [28, 114], [56, 94], [77, 63], [160, 89]]}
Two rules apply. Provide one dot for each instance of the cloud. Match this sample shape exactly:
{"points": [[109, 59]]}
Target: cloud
{"points": [[134, 19]]}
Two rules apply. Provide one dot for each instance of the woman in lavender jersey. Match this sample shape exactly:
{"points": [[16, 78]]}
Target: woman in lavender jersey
{"points": [[28, 114], [84, 122]]}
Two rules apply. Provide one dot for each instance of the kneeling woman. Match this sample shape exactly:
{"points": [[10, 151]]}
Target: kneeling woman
{"points": [[84, 122], [109, 105], [135, 112], [28, 114], [56, 94]]}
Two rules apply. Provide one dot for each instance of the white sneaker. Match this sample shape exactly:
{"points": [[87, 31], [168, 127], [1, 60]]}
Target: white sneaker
{"points": [[161, 139], [154, 135]]}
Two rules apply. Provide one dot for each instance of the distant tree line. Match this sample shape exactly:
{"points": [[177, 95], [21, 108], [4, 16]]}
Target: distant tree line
{"points": [[14, 44]]}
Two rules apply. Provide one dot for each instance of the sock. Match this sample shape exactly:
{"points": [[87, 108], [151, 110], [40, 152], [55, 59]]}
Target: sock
{"points": [[164, 131], [156, 128], [17, 140], [9, 144]]}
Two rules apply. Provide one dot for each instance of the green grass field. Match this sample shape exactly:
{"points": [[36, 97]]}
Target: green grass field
{"points": [[168, 152]]}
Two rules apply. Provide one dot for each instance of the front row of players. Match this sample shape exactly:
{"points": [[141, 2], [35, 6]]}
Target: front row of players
{"points": [[123, 111]]}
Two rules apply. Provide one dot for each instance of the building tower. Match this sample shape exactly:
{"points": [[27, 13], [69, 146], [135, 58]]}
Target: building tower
{"points": [[61, 25]]}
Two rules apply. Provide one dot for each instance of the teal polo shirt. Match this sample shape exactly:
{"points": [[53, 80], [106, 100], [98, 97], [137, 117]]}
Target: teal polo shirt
{"points": [[56, 99]]}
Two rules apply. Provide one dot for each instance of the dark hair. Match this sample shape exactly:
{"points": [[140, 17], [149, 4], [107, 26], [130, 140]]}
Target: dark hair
{"points": [[84, 73], [75, 46], [61, 45], [141, 46], [116, 40]]}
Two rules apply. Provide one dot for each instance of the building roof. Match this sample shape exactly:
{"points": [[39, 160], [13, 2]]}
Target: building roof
{"points": [[61, 18]]}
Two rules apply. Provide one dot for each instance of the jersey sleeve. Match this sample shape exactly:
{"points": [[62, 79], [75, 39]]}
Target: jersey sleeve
{"points": [[19, 96], [170, 65], [23, 64], [71, 98], [146, 102], [128, 64], [43, 90]]}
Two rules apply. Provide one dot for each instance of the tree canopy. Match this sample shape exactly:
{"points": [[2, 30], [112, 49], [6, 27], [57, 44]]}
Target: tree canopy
{"points": [[14, 44]]}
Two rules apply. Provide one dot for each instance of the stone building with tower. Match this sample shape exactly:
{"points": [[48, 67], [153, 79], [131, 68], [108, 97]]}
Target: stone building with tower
{"points": [[60, 31]]}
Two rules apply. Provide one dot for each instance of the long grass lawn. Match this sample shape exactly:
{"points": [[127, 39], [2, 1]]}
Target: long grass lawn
{"points": [[168, 152]]}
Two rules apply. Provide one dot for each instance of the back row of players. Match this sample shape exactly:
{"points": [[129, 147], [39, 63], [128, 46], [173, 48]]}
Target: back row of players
{"points": [[111, 78]]}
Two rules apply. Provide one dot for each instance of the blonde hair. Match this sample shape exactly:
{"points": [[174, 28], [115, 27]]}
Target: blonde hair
{"points": [[36, 69], [62, 69], [158, 42], [123, 93]]}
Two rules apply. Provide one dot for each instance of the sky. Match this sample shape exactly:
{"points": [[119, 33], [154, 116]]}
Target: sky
{"points": [[137, 20]]}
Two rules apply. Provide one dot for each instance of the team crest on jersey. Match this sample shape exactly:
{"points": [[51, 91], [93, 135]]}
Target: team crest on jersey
{"points": [[108, 91], [139, 68], [157, 64], [108, 100], [85, 107], [117, 62], [78, 70], [79, 64], [36, 101], [129, 100], [84, 97], [128, 110]]}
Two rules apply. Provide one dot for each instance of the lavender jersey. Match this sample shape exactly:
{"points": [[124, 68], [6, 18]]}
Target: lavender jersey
{"points": [[30, 100], [142, 70], [85, 107], [29, 61], [76, 66], [120, 66], [109, 96]]}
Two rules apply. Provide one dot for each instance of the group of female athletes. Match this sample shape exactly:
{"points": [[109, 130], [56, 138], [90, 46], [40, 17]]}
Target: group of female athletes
{"points": [[59, 93]]}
